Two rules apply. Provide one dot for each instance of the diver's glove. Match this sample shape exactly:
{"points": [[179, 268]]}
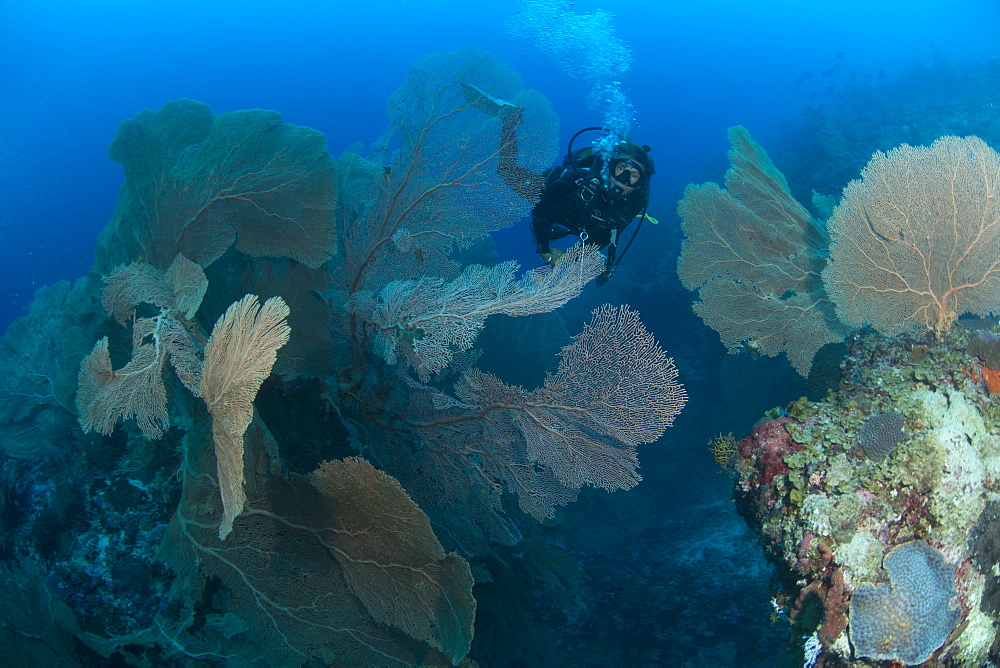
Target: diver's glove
{"points": [[552, 258]]}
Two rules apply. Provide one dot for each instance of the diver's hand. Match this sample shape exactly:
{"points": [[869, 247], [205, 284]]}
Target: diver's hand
{"points": [[553, 257]]}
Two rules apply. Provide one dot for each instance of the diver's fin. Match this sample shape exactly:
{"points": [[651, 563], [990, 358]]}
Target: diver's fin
{"points": [[488, 104]]}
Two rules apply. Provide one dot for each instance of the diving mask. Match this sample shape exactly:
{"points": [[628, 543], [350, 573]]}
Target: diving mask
{"points": [[627, 173]]}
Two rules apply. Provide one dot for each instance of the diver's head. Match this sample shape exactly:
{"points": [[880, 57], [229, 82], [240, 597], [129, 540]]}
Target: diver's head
{"points": [[626, 175], [630, 168]]}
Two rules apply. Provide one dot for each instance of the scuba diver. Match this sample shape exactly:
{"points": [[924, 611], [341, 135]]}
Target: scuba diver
{"points": [[586, 195]]}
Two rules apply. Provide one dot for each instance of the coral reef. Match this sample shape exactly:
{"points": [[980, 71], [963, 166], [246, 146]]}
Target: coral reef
{"points": [[872, 546]]}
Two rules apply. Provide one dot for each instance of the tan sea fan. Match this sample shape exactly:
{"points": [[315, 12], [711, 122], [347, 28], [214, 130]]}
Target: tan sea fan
{"points": [[238, 357], [915, 242]]}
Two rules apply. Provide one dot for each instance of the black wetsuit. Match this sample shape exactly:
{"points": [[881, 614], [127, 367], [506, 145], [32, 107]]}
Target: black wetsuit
{"points": [[570, 199], [575, 201]]}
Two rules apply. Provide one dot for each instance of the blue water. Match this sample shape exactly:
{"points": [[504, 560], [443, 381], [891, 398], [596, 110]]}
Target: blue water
{"points": [[70, 72], [73, 70]]}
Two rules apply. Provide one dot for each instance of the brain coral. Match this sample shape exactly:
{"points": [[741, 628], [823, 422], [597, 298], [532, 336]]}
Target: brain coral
{"points": [[881, 433], [914, 616]]}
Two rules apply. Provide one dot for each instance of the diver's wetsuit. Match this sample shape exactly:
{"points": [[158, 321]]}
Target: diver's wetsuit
{"points": [[570, 199]]}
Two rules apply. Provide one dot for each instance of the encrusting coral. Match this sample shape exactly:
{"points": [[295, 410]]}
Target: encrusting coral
{"points": [[850, 529]]}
